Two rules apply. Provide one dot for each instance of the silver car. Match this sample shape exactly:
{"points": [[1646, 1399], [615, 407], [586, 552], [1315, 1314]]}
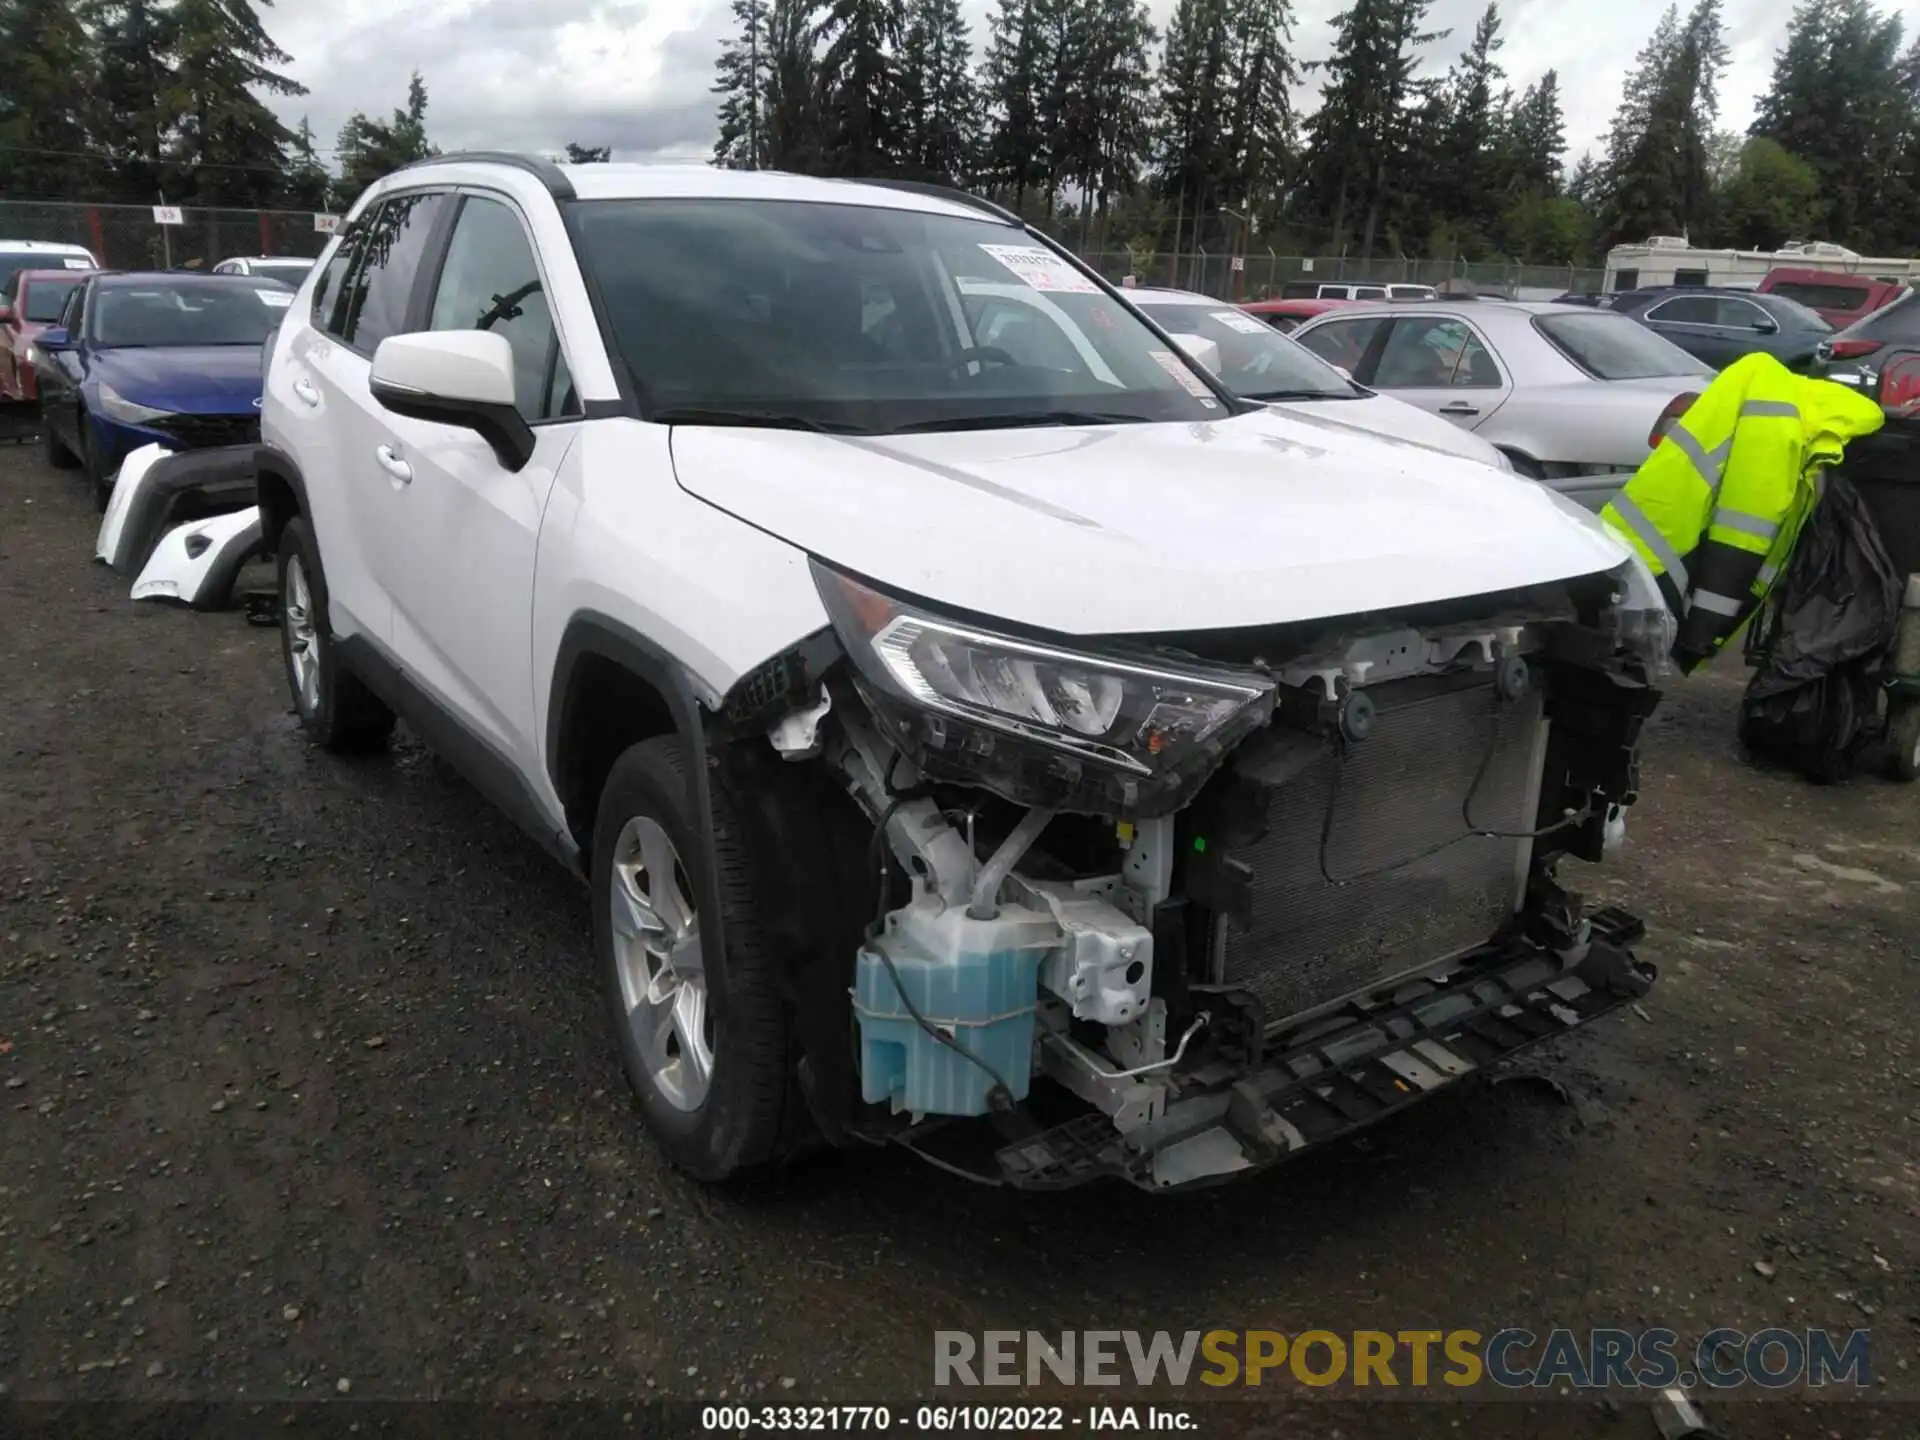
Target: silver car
{"points": [[1576, 397]]}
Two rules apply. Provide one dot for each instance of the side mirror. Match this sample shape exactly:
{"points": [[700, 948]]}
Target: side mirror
{"points": [[53, 339], [1199, 349], [455, 377], [1766, 327]]}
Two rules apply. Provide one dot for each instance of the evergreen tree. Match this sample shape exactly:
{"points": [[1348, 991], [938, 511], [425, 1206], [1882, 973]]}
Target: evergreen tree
{"points": [[371, 148], [588, 154], [1836, 103], [741, 82], [307, 180], [1467, 158], [1536, 139], [133, 104], [228, 144], [1361, 160], [1094, 101], [43, 121], [1260, 142], [1015, 158], [792, 80], [940, 105], [861, 115], [1657, 174], [1196, 160]]}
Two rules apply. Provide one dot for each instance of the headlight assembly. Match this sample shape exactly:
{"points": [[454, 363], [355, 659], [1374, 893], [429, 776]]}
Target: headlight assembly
{"points": [[116, 405], [1040, 724]]}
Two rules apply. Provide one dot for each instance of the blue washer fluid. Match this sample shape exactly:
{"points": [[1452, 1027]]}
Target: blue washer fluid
{"points": [[975, 980]]}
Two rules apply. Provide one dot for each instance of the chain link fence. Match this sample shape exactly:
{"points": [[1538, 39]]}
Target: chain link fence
{"points": [[1262, 275], [126, 237]]}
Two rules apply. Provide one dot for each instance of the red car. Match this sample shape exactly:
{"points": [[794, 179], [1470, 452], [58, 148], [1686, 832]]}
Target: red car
{"points": [[32, 303], [1839, 297], [1285, 315]]}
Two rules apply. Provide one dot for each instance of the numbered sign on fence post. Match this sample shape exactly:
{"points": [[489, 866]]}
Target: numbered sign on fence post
{"points": [[325, 224], [168, 215]]}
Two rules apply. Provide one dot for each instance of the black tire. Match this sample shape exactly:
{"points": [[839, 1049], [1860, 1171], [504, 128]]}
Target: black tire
{"points": [[58, 455], [1903, 739], [339, 713], [752, 1116], [99, 486]]}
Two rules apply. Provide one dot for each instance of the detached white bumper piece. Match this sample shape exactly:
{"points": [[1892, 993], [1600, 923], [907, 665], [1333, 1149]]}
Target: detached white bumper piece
{"points": [[195, 564], [160, 489], [135, 471]]}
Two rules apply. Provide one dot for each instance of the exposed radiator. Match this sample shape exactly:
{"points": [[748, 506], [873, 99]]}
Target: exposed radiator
{"points": [[1390, 907]]}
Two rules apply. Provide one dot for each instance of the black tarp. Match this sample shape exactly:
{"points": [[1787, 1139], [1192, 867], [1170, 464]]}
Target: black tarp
{"points": [[1820, 645]]}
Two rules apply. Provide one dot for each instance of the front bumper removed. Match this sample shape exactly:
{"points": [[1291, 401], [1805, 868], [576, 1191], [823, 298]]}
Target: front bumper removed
{"points": [[1372, 1059]]}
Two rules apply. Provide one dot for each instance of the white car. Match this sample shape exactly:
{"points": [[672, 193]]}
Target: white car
{"points": [[18, 255], [288, 269], [1257, 362], [1161, 782]]}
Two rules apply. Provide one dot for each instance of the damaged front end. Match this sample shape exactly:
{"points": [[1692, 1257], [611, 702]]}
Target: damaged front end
{"points": [[1176, 908]]}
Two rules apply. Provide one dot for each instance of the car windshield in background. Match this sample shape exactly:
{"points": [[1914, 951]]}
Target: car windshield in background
{"points": [[866, 319], [203, 312], [291, 271], [47, 298], [12, 262], [1616, 347], [1255, 360]]}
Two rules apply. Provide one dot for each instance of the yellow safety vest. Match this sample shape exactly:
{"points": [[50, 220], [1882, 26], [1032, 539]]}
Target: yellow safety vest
{"points": [[1717, 507]]}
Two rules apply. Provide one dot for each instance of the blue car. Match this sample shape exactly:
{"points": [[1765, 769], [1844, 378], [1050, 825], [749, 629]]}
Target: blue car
{"points": [[170, 360]]}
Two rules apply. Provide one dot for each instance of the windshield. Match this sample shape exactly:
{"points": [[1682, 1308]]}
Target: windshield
{"points": [[867, 319], [12, 262], [1255, 360], [212, 311], [1615, 347], [47, 298]]}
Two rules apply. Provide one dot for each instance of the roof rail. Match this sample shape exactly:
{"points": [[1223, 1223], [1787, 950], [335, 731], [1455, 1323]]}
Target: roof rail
{"points": [[953, 194], [542, 169]]}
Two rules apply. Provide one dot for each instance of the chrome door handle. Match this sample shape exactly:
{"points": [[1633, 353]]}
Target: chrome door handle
{"points": [[307, 392], [1459, 407], [391, 462]]}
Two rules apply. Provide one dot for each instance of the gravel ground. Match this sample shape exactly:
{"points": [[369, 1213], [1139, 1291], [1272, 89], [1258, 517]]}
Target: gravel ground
{"points": [[307, 1095]]}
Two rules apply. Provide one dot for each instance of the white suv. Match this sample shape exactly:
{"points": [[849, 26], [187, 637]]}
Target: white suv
{"points": [[1162, 783]]}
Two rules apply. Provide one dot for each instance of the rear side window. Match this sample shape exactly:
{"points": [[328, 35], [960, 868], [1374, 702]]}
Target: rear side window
{"points": [[1613, 347], [380, 289], [1427, 354]]}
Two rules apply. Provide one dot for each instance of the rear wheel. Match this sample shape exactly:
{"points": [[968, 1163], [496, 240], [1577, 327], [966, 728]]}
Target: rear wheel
{"points": [[335, 707], [704, 1036]]}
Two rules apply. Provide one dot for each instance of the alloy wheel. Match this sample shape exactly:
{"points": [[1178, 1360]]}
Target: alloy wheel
{"points": [[303, 640], [662, 972]]}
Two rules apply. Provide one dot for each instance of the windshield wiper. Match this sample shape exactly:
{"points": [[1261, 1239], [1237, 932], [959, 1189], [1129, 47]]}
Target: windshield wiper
{"points": [[1281, 396], [1020, 419], [759, 419]]}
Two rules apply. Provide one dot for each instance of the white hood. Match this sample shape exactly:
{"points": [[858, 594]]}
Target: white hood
{"points": [[1394, 421], [1256, 519]]}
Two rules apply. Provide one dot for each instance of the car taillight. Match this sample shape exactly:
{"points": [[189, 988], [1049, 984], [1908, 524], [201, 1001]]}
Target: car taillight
{"points": [[1676, 407], [1850, 349]]}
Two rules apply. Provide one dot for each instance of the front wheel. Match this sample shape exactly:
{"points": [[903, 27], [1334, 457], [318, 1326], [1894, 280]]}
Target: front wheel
{"points": [[335, 707], [99, 481], [704, 1036], [58, 455]]}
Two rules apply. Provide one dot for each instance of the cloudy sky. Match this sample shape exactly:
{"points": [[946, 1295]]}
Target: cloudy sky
{"points": [[634, 74]]}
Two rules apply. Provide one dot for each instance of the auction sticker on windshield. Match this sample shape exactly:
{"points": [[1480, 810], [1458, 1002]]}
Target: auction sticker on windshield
{"points": [[1041, 269], [1188, 381], [1235, 320]]}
